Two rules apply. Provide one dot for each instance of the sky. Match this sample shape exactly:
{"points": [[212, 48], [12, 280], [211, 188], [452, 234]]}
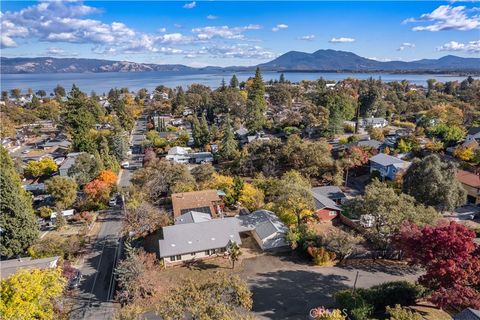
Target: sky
{"points": [[219, 33]]}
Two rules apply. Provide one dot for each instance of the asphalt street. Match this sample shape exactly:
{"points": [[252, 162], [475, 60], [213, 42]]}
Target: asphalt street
{"points": [[94, 298]]}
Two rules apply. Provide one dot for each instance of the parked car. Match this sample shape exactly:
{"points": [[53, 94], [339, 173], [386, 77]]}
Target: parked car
{"points": [[112, 202], [75, 281], [125, 165]]}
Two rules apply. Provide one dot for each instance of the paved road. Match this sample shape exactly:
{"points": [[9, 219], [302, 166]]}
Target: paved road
{"points": [[136, 141], [97, 286], [95, 294]]}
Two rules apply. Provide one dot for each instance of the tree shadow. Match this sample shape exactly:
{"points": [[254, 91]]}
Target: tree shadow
{"points": [[287, 294], [380, 265]]}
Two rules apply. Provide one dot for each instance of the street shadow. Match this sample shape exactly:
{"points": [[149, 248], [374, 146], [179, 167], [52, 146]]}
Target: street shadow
{"points": [[287, 294], [380, 265]]}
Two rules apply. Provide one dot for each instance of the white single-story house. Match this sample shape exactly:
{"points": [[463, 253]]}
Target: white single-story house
{"points": [[9, 267], [196, 235], [179, 154], [65, 213], [373, 122]]}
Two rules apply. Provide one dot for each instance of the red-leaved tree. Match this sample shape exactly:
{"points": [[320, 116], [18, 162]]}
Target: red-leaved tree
{"points": [[451, 260]]}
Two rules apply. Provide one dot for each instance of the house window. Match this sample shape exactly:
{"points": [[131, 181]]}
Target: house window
{"points": [[207, 252], [192, 254], [172, 258], [179, 257], [332, 213]]}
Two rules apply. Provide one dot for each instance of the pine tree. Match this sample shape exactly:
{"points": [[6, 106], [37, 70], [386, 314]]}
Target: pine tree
{"points": [[205, 131], [282, 78], [256, 104], [223, 85], [18, 225], [228, 146], [234, 82]]}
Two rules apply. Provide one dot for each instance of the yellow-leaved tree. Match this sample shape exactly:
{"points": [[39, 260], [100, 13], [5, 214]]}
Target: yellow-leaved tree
{"points": [[30, 294]]}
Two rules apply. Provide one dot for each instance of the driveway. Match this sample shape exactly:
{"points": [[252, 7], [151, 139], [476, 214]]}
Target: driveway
{"points": [[284, 289]]}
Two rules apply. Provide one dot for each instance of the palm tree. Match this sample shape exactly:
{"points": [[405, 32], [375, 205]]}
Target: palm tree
{"points": [[234, 253]]}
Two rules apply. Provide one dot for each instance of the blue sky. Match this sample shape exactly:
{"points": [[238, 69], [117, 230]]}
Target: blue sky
{"points": [[238, 33]]}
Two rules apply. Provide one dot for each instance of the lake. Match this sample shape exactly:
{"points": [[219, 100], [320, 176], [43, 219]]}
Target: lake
{"points": [[103, 82]]}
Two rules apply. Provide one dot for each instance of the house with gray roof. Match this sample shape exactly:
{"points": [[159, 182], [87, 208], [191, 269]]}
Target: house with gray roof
{"points": [[373, 122], [328, 200], [191, 241], [193, 217], [196, 235], [387, 166], [371, 143], [266, 228], [9, 267]]}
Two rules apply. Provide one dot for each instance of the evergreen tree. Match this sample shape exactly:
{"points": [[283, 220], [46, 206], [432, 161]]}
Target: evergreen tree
{"points": [[234, 82], [256, 105], [18, 225], [205, 131], [433, 183], [200, 132], [223, 85], [282, 78], [228, 146]]}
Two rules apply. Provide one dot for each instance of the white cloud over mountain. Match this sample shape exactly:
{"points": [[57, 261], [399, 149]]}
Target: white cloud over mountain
{"points": [[470, 47], [342, 40], [446, 17]]}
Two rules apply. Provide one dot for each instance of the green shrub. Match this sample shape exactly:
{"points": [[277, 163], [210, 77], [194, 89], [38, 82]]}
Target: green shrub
{"points": [[386, 294], [321, 256], [400, 313], [356, 305]]}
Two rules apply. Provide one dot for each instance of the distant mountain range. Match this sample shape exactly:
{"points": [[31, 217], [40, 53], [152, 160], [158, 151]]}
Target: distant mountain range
{"points": [[321, 60]]}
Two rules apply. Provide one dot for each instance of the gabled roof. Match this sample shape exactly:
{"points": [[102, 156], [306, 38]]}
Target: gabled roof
{"points": [[370, 143], [264, 222], [193, 217], [196, 237], [468, 178], [193, 200], [468, 314], [9, 267], [385, 160], [331, 192], [473, 131], [322, 201]]}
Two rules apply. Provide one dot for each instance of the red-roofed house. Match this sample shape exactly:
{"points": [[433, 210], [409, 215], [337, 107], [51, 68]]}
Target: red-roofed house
{"points": [[471, 183]]}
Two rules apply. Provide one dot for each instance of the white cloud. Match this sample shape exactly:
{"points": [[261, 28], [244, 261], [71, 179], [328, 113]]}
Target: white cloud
{"points": [[162, 30], [225, 32], [469, 47], [55, 51], [242, 51], [190, 5], [380, 59], [406, 45], [310, 37], [61, 21], [280, 26], [212, 17], [446, 17], [342, 40]]}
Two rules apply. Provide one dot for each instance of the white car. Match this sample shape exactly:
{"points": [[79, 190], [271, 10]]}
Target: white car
{"points": [[125, 165], [112, 202]]}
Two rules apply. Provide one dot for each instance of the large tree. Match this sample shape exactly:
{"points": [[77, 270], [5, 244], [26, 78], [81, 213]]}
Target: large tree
{"points": [[256, 104], [433, 183], [143, 220], [219, 297], [85, 169], [389, 211], [229, 145], [451, 260], [18, 225], [63, 191], [31, 294]]}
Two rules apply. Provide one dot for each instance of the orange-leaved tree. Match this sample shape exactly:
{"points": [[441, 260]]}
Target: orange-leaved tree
{"points": [[108, 177]]}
